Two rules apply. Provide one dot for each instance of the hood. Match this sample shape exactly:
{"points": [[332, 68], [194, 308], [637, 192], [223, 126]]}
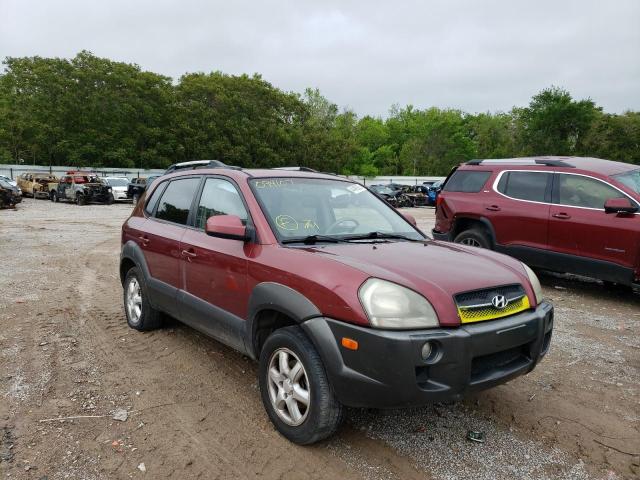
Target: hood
{"points": [[437, 270]]}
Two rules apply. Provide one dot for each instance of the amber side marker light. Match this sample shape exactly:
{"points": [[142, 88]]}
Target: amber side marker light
{"points": [[349, 343]]}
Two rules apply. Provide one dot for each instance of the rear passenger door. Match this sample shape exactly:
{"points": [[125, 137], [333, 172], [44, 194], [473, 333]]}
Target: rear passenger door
{"points": [[520, 211], [161, 236]]}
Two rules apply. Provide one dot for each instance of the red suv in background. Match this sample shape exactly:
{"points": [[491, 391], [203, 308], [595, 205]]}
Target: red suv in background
{"points": [[565, 214], [325, 285]]}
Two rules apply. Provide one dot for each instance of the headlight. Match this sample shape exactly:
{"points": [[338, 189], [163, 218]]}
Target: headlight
{"points": [[391, 306], [535, 283]]}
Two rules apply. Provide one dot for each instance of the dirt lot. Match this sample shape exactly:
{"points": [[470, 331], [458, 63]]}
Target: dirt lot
{"points": [[192, 405]]}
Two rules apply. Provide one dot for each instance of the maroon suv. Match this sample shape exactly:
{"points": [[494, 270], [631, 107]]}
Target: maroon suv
{"points": [[341, 299], [566, 214]]}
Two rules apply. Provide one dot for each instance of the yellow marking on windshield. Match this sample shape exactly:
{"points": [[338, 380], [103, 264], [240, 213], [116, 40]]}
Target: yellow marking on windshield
{"points": [[309, 224], [287, 222]]}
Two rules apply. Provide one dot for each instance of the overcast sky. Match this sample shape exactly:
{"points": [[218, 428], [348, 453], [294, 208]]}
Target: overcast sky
{"points": [[469, 54]]}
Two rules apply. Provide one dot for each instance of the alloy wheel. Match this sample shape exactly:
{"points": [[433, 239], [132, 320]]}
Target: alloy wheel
{"points": [[289, 389], [472, 242], [134, 300]]}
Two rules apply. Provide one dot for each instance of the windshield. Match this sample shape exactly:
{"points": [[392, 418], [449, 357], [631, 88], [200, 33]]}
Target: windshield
{"points": [[302, 207], [631, 179], [118, 182]]}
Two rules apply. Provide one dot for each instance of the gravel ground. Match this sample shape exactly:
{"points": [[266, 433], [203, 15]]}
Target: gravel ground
{"points": [[192, 405]]}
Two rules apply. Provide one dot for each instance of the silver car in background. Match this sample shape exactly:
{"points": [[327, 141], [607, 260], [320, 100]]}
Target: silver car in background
{"points": [[118, 186]]}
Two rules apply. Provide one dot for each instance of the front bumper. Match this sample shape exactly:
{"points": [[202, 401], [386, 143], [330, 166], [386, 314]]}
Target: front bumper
{"points": [[388, 371], [443, 237], [98, 196], [120, 195]]}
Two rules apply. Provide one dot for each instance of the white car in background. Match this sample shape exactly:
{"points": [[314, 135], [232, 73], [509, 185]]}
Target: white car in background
{"points": [[118, 187]]}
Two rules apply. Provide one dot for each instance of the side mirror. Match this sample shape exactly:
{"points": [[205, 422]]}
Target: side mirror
{"points": [[410, 218], [619, 205], [226, 226]]}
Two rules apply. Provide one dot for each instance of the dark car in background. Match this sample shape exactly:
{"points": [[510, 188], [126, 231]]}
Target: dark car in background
{"points": [[138, 186], [565, 214], [10, 195], [385, 193]]}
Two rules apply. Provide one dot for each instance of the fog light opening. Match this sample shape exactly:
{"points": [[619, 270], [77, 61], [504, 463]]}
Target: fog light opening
{"points": [[427, 350]]}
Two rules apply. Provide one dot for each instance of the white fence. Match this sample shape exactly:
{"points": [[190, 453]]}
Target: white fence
{"points": [[12, 171]]}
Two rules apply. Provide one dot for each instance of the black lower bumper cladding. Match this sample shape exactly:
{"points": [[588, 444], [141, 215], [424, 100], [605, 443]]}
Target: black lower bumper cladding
{"points": [[388, 370]]}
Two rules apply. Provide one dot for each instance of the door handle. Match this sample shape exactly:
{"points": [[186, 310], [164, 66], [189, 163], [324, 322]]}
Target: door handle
{"points": [[493, 208], [561, 216], [189, 254], [144, 239]]}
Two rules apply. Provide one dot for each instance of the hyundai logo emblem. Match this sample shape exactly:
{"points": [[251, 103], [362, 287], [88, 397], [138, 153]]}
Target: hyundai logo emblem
{"points": [[499, 301]]}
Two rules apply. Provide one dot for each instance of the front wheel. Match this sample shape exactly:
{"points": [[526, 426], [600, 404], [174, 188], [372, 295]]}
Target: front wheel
{"points": [[473, 238], [295, 389], [54, 197]]}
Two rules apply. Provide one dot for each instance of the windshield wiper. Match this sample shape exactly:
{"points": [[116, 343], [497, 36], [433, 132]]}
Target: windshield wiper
{"points": [[311, 239], [384, 236]]}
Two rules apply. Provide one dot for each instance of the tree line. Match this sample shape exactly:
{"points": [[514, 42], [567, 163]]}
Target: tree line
{"points": [[94, 112]]}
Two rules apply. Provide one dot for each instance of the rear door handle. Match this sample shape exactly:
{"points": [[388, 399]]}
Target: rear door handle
{"points": [[493, 208], [144, 239], [189, 254], [561, 216]]}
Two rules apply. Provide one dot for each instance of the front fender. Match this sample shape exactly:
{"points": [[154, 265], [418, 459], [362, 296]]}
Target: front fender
{"points": [[279, 298]]}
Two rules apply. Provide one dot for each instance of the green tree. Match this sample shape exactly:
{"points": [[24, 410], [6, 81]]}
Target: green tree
{"points": [[616, 137], [554, 123]]}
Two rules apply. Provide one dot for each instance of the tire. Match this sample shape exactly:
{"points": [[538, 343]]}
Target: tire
{"points": [[54, 197], [323, 414], [110, 199], [81, 200], [140, 314], [474, 238]]}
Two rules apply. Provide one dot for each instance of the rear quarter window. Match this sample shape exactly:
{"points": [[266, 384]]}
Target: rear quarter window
{"points": [[153, 200], [467, 181]]}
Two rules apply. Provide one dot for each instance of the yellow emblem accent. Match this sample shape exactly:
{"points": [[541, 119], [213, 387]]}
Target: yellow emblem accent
{"points": [[480, 314]]}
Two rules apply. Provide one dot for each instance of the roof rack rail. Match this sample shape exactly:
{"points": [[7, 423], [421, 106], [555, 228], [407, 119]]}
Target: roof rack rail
{"points": [[548, 162], [196, 164], [296, 169]]}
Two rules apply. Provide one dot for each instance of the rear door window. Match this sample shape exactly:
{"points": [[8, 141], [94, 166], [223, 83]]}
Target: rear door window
{"points": [[532, 186], [176, 200], [467, 181], [579, 191]]}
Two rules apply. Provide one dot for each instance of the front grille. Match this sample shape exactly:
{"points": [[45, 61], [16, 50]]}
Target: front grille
{"points": [[476, 306]]}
